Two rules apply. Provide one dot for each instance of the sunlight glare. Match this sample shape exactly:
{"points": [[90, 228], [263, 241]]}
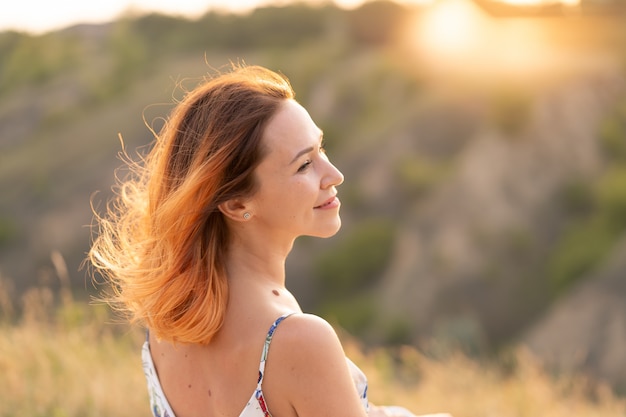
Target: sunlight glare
{"points": [[451, 27], [523, 2], [531, 3], [458, 37]]}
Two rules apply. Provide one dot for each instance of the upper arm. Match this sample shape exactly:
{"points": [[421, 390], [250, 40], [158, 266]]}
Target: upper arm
{"points": [[310, 372]]}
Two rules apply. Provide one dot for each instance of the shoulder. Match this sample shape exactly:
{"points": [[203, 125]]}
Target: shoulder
{"points": [[304, 322], [306, 333], [303, 341], [309, 371]]}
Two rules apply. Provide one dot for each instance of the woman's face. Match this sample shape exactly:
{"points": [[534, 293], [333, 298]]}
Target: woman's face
{"points": [[296, 194]]}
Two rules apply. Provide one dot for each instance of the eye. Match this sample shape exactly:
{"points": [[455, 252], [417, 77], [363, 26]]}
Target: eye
{"points": [[308, 162], [305, 165]]}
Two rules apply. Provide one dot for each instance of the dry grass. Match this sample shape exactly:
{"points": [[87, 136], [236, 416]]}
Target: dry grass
{"points": [[64, 358], [516, 386], [67, 361]]}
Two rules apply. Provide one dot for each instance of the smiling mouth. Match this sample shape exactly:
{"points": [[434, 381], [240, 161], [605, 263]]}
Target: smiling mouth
{"points": [[327, 203]]}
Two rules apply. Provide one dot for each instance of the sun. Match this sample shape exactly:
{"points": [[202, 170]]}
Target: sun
{"points": [[450, 28]]}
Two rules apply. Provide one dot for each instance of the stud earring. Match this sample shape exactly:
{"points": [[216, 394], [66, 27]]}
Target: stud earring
{"points": [[246, 216]]}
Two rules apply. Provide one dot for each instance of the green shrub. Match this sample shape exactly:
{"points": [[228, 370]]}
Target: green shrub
{"points": [[34, 60], [580, 249], [611, 195], [129, 59], [577, 197], [613, 135], [417, 175], [355, 315], [8, 231], [511, 111], [590, 239], [357, 261], [397, 331]]}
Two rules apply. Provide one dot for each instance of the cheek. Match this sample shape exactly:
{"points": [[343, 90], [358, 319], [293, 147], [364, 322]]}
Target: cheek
{"points": [[291, 199], [305, 191], [297, 199]]}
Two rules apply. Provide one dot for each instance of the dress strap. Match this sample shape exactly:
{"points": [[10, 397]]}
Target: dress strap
{"points": [[266, 346]]}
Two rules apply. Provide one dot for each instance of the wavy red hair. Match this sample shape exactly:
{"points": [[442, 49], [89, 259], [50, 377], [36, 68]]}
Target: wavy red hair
{"points": [[163, 240]]}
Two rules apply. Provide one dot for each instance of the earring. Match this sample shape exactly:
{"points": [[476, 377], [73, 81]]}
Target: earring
{"points": [[246, 216]]}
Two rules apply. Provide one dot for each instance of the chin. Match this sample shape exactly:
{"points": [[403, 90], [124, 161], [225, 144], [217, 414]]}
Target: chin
{"points": [[329, 230]]}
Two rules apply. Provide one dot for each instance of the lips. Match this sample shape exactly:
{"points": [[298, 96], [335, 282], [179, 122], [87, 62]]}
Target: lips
{"points": [[331, 201]]}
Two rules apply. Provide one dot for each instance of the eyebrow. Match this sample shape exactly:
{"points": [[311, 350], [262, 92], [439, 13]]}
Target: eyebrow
{"points": [[307, 150]]}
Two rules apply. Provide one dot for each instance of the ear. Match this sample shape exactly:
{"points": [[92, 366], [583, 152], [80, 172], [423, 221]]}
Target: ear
{"points": [[235, 209]]}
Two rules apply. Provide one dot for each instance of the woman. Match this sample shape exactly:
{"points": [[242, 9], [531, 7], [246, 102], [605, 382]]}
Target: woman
{"points": [[195, 247]]}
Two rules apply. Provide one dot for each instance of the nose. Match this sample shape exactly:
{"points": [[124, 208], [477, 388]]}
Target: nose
{"points": [[333, 177]]}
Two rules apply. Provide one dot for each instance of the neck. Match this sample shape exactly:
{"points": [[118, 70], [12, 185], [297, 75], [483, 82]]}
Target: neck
{"points": [[260, 261]]}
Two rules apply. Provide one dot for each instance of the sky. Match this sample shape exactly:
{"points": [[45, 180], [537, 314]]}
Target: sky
{"points": [[38, 16]]}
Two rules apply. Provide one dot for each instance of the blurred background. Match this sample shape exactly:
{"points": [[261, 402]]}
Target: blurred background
{"points": [[483, 144]]}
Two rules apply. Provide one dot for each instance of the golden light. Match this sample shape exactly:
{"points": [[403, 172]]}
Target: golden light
{"points": [[523, 2], [450, 28], [459, 37], [452, 25]]}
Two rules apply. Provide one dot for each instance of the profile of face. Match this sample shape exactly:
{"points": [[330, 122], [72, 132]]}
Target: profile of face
{"points": [[296, 192]]}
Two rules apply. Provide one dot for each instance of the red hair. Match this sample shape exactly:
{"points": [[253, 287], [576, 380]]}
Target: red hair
{"points": [[163, 242]]}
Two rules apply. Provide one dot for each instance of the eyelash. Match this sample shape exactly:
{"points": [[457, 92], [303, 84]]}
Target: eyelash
{"points": [[309, 161]]}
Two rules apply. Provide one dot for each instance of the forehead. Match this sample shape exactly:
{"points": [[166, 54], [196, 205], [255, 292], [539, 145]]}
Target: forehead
{"points": [[290, 130]]}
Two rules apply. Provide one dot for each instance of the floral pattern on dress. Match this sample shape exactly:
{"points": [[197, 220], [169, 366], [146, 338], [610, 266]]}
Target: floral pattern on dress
{"points": [[158, 403]]}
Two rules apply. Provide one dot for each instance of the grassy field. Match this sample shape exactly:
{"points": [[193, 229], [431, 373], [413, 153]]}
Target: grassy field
{"points": [[65, 358]]}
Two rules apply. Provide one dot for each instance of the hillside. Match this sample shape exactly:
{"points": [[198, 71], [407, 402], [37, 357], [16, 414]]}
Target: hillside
{"points": [[482, 202]]}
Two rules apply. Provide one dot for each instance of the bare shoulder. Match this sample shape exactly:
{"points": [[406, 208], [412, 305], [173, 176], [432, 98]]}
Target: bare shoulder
{"points": [[303, 333], [309, 372], [309, 323], [305, 343]]}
